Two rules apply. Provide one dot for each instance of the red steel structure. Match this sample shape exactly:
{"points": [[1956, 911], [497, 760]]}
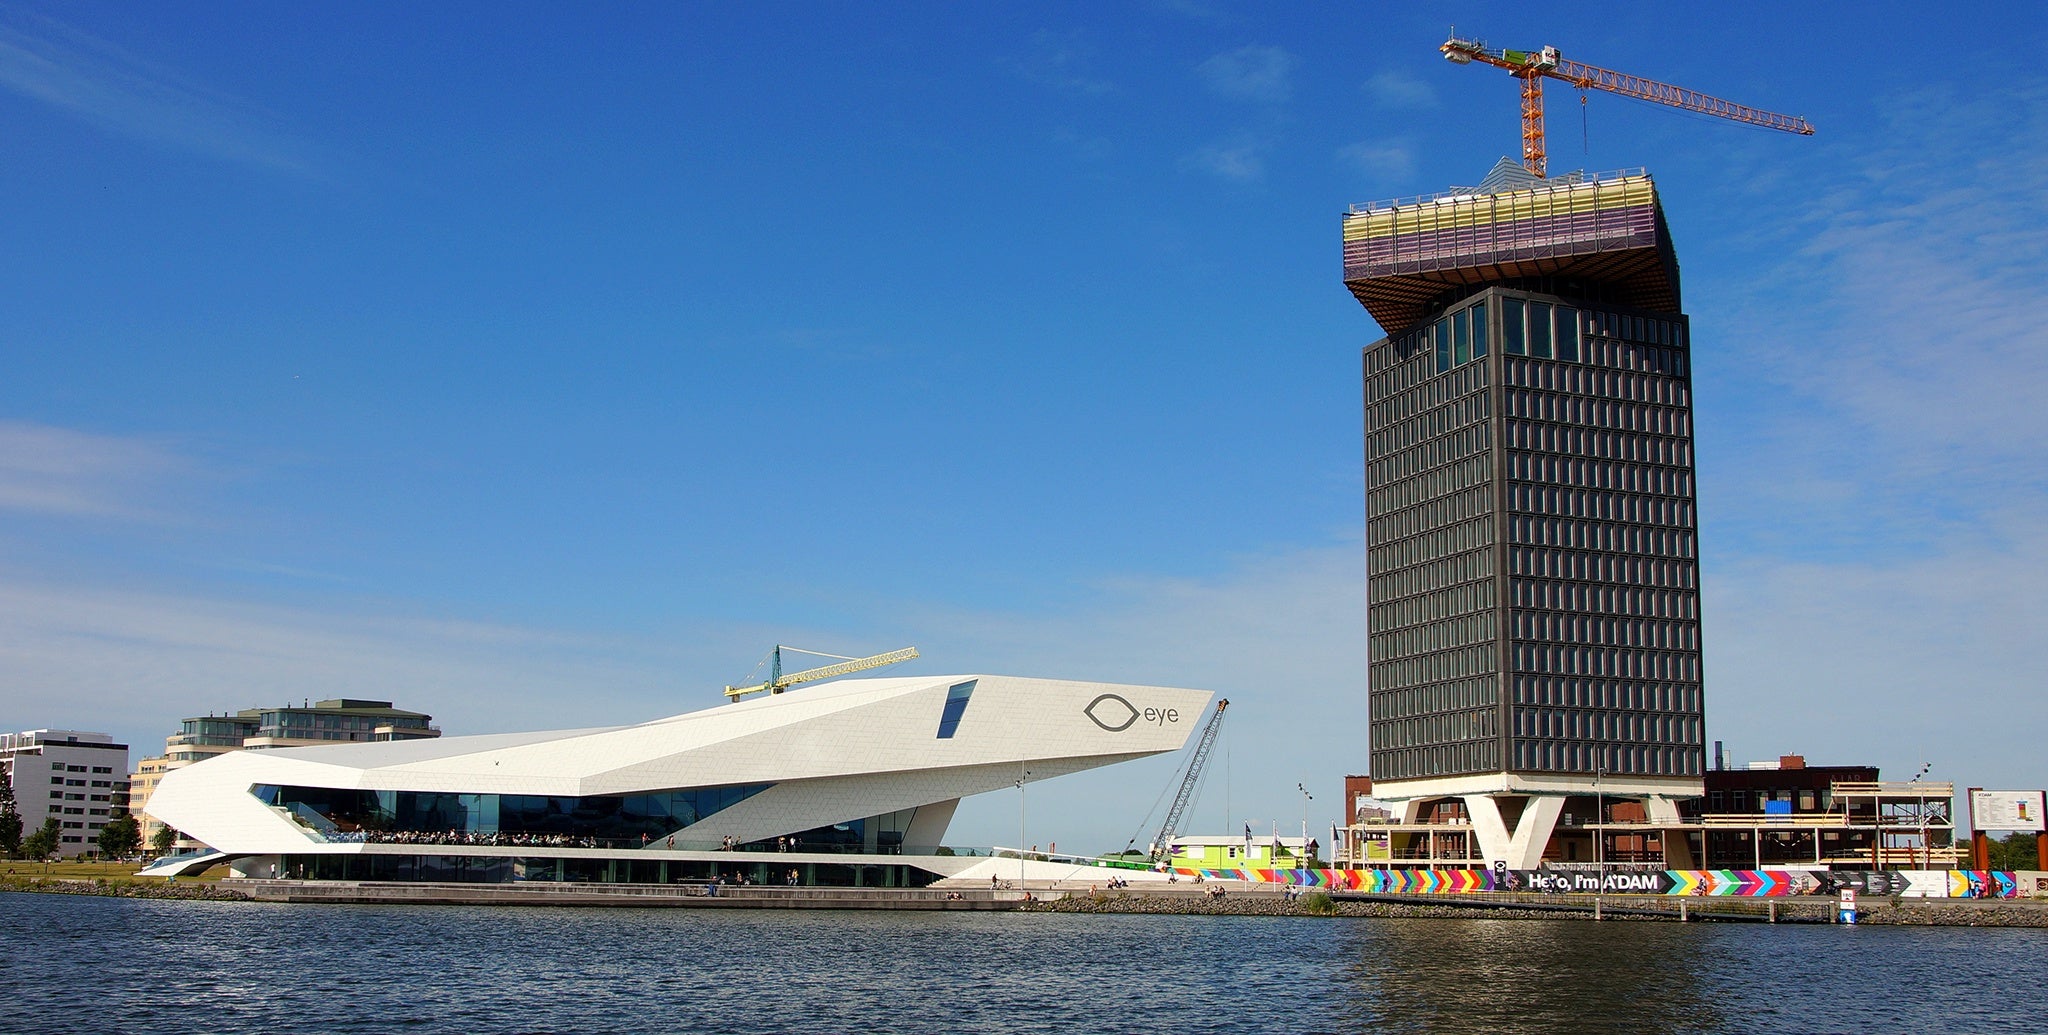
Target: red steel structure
{"points": [[1532, 67]]}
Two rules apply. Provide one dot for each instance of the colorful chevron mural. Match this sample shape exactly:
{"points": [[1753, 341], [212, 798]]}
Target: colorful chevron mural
{"points": [[1708, 883]]}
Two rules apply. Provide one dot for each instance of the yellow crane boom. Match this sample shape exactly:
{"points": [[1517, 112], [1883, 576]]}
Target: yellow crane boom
{"points": [[777, 682], [1533, 66]]}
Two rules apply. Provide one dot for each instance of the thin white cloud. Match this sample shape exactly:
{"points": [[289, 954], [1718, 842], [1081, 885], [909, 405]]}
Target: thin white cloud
{"points": [[1256, 73], [1063, 62], [91, 78], [1395, 89], [141, 660], [1389, 161], [1241, 160], [59, 471], [1893, 355]]}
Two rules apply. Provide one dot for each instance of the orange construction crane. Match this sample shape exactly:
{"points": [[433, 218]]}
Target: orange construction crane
{"points": [[1532, 67]]}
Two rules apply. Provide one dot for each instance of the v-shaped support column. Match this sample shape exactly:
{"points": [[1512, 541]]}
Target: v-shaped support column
{"points": [[1523, 849]]}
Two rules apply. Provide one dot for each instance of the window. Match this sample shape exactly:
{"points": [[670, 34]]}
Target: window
{"points": [[1478, 330], [956, 706], [1567, 333], [1539, 330], [1512, 340]]}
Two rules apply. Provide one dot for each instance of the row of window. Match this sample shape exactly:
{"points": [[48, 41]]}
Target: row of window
{"points": [[1646, 329], [1577, 566], [1573, 660], [1476, 756], [1391, 456], [1577, 692], [1642, 540], [1429, 546], [1385, 529], [1625, 727], [1458, 663], [1585, 411], [1601, 631], [1442, 728], [1401, 358], [1613, 759], [1601, 445], [1598, 382], [652, 814], [1388, 400], [1606, 506], [1538, 329], [1437, 574], [1437, 421], [1648, 359], [1459, 338], [1600, 474], [1457, 695], [1541, 330], [1440, 481], [1614, 600], [1442, 634], [1386, 615]]}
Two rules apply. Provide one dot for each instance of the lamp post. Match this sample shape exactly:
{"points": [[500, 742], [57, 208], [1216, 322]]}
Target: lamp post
{"points": [[1306, 797], [1599, 838], [1023, 776]]}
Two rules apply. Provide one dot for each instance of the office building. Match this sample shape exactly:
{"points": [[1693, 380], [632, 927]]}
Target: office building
{"points": [[78, 778], [1532, 558], [341, 720]]}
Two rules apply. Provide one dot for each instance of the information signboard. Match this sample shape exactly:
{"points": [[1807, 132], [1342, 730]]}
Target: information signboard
{"points": [[2007, 810]]}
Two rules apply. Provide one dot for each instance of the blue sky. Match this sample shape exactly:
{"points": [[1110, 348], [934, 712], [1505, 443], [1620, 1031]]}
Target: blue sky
{"points": [[539, 366]]}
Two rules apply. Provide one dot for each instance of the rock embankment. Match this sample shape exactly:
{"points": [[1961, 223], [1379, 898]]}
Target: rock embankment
{"points": [[1934, 912], [122, 889]]}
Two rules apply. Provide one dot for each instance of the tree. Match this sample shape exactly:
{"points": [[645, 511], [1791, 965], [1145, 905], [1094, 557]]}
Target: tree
{"points": [[2014, 851], [121, 837], [163, 840], [10, 819], [42, 844]]}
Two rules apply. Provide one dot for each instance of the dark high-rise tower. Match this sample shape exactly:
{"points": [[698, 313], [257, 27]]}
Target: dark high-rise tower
{"points": [[1532, 557]]}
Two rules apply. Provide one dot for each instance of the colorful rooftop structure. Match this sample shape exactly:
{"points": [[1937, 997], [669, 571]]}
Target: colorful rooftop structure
{"points": [[1599, 236]]}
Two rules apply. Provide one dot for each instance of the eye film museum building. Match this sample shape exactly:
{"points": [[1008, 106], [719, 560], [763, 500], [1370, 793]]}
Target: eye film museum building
{"points": [[850, 783]]}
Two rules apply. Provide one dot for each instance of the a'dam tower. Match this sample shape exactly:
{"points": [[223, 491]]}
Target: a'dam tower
{"points": [[1532, 549]]}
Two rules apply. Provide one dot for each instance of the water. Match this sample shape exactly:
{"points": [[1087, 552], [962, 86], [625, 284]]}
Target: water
{"points": [[123, 965]]}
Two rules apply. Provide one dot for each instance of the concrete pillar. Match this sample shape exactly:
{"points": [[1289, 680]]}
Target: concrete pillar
{"points": [[1522, 849]]}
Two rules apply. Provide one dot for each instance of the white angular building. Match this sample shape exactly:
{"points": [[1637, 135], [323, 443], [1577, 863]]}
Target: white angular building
{"points": [[850, 782]]}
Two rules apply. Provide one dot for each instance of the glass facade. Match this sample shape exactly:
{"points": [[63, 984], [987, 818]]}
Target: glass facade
{"points": [[758, 869], [1532, 554], [605, 819]]}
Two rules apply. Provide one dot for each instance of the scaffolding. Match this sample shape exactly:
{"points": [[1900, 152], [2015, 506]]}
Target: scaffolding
{"points": [[1403, 257]]}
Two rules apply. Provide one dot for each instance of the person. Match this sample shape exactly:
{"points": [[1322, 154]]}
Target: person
{"points": [[671, 840], [992, 884], [1052, 848]]}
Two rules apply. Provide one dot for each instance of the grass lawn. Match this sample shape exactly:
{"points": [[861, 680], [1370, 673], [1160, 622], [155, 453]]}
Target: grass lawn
{"points": [[73, 870]]}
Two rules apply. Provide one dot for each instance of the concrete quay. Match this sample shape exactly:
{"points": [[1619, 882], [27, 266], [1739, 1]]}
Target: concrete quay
{"points": [[550, 893]]}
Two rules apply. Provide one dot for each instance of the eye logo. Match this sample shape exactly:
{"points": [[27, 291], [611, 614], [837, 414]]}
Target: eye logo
{"points": [[1111, 712]]}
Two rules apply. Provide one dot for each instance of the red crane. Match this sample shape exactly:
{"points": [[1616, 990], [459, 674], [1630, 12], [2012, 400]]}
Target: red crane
{"points": [[1532, 67]]}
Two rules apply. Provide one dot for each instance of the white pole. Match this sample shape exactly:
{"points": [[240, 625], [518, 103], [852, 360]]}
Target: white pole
{"points": [[1023, 776], [1599, 838]]}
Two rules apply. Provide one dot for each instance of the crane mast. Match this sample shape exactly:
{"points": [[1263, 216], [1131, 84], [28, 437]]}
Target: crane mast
{"points": [[1533, 66], [1188, 782]]}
